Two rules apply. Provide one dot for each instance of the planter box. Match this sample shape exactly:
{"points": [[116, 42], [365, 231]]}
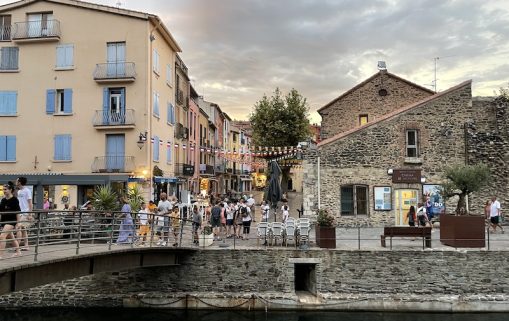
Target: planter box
{"points": [[205, 240], [325, 237], [462, 231]]}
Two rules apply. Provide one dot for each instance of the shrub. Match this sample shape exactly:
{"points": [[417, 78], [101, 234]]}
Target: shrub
{"points": [[325, 219]]}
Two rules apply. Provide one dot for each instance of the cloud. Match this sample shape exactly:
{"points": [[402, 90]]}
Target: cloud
{"points": [[237, 50]]}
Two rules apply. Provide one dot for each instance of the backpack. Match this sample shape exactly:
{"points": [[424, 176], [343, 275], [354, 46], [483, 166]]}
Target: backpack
{"points": [[216, 212], [420, 211], [243, 211]]}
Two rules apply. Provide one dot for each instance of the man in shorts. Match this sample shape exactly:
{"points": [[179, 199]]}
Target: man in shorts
{"points": [[25, 217], [215, 220], [163, 210], [495, 215], [144, 220]]}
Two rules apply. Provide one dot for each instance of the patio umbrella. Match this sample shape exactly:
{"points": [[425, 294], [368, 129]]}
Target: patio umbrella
{"points": [[274, 189]]}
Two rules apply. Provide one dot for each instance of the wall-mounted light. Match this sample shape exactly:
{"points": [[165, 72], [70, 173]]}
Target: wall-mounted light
{"points": [[142, 138], [423, 180], [390, 171]]}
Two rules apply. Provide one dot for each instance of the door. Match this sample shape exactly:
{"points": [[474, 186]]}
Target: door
{"points": [[115, 153], [116, 59], [39, 25], [117, 106], [404, 199]]}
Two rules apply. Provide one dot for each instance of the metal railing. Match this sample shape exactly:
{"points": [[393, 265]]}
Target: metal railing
{"points": [[182, 169], [115, 70], [36, 29], [113, 164], [5, 32], [108, 118]]}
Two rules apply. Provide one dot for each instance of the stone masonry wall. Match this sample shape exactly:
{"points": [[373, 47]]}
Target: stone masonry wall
{"points": [[219, 273], [364, 156], [343, 114]]}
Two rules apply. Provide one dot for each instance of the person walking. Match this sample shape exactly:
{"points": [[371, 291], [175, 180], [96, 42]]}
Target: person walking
{"points": [[251, 203], [421, 215], [8, 206], [197, 221], [144, 220], [245, 212], [126, 231], [175, 224], [495, 215], [25, 217], [411, 216], [163, 210], [215, 220], [265, 211]]}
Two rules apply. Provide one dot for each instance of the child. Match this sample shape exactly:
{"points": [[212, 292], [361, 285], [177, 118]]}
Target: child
{"points": [[175, 224], [144, 221], [286, 213]]}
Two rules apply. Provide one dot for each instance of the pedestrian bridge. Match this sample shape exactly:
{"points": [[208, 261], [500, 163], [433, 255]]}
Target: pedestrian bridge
{"points": [[62, 263]]}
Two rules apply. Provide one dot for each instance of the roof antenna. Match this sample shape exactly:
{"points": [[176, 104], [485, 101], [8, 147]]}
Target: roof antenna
{"points": [[119, 4]]}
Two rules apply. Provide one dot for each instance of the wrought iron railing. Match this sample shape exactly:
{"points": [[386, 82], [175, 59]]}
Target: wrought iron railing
{"points": [[108, 118], [115, 70], [5, 33], [113, 164], [36, 29], [182, 169]]}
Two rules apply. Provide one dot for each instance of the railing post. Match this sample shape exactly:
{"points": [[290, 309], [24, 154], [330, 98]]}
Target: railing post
{"points": [[152, 228], [488, 238], [133, 229], [78, 244], [38, 236], [112, 229], [358, 237]]}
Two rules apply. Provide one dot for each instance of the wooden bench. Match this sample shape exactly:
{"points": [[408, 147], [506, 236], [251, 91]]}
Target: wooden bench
{"points": [[407, 231]]}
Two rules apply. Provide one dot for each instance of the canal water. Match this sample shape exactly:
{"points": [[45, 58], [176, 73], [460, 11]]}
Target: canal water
{"points": [[56, 314]]}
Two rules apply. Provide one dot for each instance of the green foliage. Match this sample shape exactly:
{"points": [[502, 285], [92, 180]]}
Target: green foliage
{"points": [[135, 197], [462, 180], [105, 199], [504, 94], [280, 121], [157, 171], [325, 219], [207, 230]]}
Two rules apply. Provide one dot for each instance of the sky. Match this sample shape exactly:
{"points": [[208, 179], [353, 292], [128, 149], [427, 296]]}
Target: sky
{"points": [[239, 50]]}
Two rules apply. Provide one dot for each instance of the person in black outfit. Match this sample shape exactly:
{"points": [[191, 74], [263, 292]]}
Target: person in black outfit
{"points": [[8, 205]]}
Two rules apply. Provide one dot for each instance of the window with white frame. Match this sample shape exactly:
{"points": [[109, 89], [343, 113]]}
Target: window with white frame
{"points": [[412, 143], [155, 62]]}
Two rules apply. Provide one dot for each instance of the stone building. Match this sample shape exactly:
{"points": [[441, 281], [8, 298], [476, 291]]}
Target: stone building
{"points": [[371, 173]]}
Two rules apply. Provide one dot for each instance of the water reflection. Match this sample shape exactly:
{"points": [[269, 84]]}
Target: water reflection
{"points": [[55, 314]]}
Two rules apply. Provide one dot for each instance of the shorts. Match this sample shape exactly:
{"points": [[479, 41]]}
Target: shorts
{"points": [[144, 230], [196, 227], [229, 222], [215, 222], [494, 220], [411, 223]]}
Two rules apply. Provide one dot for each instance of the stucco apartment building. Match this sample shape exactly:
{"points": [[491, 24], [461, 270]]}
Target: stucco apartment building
{"points": [[86, 97], [387, 143]]}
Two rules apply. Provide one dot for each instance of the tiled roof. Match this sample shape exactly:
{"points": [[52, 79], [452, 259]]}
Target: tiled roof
{"points": [[394, 113]]}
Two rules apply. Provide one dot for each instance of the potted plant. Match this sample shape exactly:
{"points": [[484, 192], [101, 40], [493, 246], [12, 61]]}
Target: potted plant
{"points": [[206, 237], [325, 230], [462, 229]]}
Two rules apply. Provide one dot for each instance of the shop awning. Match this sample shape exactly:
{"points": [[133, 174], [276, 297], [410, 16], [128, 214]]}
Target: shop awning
{"points": [[161, 179]]}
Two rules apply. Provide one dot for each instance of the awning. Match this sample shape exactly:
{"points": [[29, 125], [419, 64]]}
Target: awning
{"points": [[161, 179]]}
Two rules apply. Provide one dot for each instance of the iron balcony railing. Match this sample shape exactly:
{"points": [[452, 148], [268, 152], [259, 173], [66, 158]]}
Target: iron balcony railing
{"points": [[206, 169], [36, 29], [108, 118], [113, 164], [182, 169], [115, 71], [5, 33]]}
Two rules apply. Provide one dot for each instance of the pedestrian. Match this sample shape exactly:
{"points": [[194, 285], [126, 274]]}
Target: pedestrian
{"points": [[429, 209], [487, 210], [237, 220], [421, 215], [215, 220], [411, 216], [175, 224], [126, 231], [223, 218], [163, 211], [46, 204], [197, 221], [230, 211], [144, 221], [495, 215], [286, 213], [246, 219], [265, 209], [25, 217], [251, 204], [9, 205]]}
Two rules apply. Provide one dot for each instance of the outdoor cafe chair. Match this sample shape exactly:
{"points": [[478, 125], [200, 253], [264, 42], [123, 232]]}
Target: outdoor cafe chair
{"points": [[276, 232], [290, 231], [262, 232]]}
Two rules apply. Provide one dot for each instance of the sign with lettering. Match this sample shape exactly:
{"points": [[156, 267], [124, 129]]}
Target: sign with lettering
{"points": [[406, 176]]}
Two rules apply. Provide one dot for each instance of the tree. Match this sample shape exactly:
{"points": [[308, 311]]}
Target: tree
{"points": [[462, 181], [280, 121], [105, 199]]}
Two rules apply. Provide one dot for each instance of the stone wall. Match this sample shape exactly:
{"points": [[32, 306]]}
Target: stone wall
{"points": [[344, 113], [378, 275]]}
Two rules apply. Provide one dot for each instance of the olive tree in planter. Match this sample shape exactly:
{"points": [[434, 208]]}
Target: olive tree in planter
{"points": [[325, 230], [463, 229]]}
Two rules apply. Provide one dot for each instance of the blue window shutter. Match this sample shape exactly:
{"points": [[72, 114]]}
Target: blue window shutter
{"points": [[57, 153], [156, 148], [68, 101], [50, 101], [168, 152], [11, 148], [168, 109], [67, 142], [106, 99], [12, 105], [69, 55], [61, 56], [156, 104], [122, 100], [3, 148], [8, 102]]}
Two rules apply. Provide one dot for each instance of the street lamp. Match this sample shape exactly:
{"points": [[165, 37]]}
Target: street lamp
{"points": [[142, 138]]}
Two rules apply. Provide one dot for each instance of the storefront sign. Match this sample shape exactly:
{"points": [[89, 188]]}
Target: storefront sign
{"points": [[406, 176]]}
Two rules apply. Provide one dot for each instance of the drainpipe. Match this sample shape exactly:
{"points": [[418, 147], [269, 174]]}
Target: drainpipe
{"points": [[319, 189], [149, 115]]}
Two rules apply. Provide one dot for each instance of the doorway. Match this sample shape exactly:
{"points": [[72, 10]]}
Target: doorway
{"points": [[305, 278], [115, 59], [404, 199]]}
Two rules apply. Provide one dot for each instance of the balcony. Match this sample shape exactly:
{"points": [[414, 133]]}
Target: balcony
{"points": [[113, 164], [5, 33], [42, 30], [115, 72], [184, 169], [206, 169], [220, 169], [105, 119]]}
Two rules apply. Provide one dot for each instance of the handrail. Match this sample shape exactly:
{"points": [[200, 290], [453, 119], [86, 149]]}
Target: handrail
{"points": [[113, 164], [36, 29], [115, 70], [109, 118]]}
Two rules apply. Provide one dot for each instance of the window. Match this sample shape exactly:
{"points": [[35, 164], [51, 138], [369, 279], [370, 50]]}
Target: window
{"points": [[8, 103], [171, 114], [354, 200], [156, 149], [7, 148], [169, 147], [412, 143], [168, 74], [155, 62], [5, 27], [65, 57], [62, 147], [155, 109], [59, 101], [363, 119], [9, 58]]}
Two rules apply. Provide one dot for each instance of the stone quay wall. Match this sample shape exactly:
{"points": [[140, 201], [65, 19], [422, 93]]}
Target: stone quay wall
{"points": [[378, 276]]}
